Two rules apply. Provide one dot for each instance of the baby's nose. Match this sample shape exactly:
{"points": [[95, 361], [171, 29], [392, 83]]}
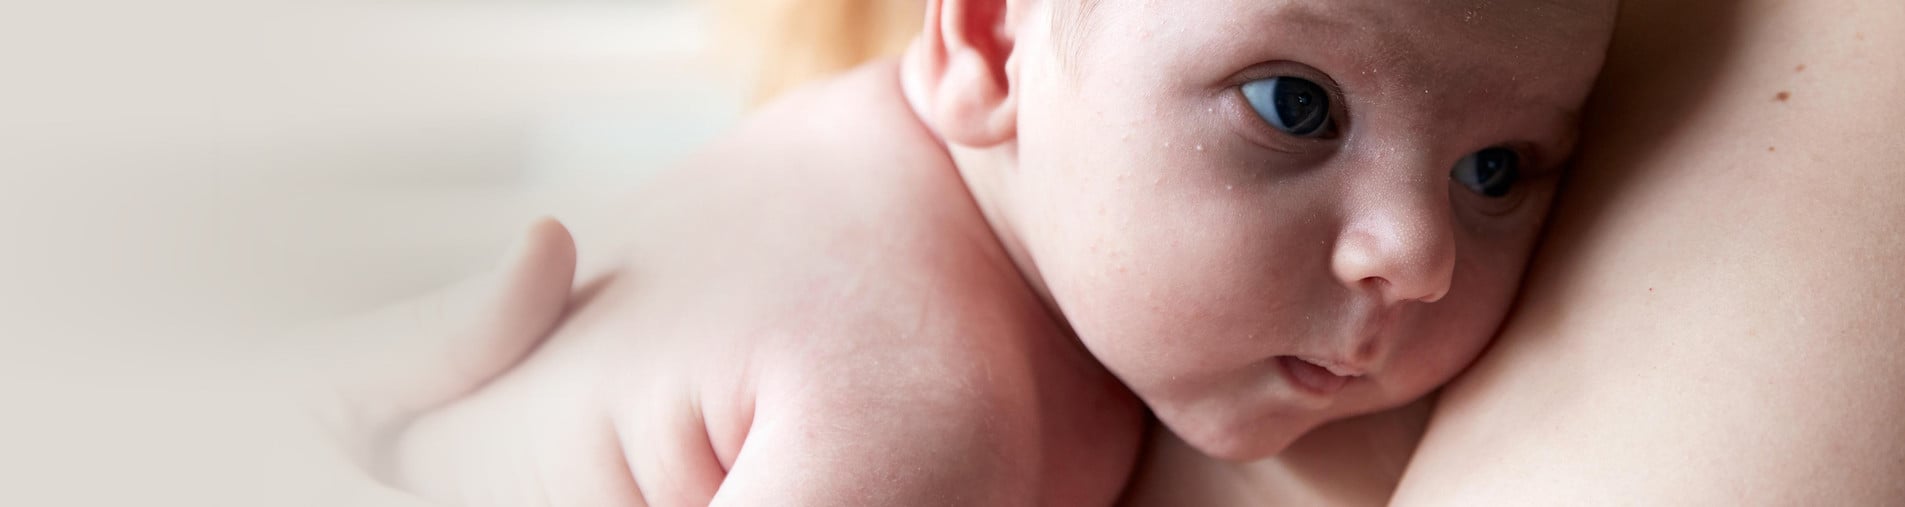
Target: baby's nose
{"points": [[1402, 253]]}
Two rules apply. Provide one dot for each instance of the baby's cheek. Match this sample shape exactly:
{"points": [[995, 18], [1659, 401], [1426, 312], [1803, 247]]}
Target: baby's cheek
{"points": [[1129, 311], [1459, 328]]}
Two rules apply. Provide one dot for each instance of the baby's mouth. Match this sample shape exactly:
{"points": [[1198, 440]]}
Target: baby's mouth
{"points": [[1312, 377]]}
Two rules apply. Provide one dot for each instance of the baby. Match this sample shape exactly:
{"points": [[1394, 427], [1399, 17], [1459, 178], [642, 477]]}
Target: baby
{"points": [[963, 277]]}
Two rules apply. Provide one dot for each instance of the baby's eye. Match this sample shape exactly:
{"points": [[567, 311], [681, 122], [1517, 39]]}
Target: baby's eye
{"points": [[1491, 172], [1293, 105]]}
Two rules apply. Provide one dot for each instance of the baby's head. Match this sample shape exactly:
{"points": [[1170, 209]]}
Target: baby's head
{"points": [[1264, 215]]}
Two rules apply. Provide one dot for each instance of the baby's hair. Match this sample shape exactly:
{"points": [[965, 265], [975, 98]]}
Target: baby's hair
{"points": [[1071, 25]]}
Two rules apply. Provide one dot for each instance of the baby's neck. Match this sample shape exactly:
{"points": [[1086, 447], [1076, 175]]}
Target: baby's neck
{"points": [[980, 170], [1075, 384]]}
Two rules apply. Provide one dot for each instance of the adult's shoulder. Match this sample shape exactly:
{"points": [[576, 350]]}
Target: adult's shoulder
{"points": [[1715, 317]]}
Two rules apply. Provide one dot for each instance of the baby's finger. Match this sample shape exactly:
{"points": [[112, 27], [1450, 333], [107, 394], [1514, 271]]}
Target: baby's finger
{"points": [[421, 353]]}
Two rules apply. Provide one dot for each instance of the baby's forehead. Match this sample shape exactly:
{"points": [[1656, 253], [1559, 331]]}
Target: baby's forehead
{"points": [[1557, 7], [1411, 41], [1507, 19], [1397, 64]]}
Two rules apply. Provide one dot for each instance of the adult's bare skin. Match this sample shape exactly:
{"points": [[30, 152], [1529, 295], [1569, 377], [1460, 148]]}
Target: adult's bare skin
{"points": [[1716, 316], [1355, 461]]}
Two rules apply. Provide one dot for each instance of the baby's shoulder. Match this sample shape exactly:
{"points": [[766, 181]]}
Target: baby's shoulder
{"points": [[830, 259], [935, 417], [963, 380]]}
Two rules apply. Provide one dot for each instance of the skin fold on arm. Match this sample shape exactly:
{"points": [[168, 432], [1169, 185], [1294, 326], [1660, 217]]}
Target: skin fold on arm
{"points": [[1715, 317]]}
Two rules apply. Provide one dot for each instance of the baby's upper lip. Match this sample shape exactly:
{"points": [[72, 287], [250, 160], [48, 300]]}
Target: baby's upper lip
{"points": [[1360, 354]]}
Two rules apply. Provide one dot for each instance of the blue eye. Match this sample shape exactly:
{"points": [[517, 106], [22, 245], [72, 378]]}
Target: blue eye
{"points": [[1293, 105], [1491, 172]]}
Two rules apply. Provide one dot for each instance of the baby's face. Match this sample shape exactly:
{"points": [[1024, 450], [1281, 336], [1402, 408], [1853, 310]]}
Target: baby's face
{"points": [[1266, 215]]}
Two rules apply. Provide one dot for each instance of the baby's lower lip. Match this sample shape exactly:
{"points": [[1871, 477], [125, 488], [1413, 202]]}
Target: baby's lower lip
{"points": [[1310, 377]]}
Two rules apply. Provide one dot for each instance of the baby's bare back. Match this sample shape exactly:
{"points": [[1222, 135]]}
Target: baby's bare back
{"points": [[812, 312]]}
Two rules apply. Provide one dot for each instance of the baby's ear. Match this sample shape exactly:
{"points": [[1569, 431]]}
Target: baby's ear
{"points": [[965, 63]]}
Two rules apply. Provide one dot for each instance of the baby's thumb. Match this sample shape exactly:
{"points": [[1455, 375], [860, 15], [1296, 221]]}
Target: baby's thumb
{"points": [[422, 353]]}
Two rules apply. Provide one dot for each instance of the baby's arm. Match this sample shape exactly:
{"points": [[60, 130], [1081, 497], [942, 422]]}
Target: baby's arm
{"points": [[886, 427], [871, 426], [894, 437]]}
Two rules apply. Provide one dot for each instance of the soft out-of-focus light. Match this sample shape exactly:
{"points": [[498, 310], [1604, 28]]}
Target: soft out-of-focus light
{"points": [[181, 180]]}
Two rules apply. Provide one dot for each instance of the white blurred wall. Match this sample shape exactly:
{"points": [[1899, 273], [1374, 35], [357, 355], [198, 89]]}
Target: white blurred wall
{"points": [[180, 180]]}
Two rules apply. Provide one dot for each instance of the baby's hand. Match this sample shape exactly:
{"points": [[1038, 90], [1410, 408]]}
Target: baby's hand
{"points": [[420, 354]]}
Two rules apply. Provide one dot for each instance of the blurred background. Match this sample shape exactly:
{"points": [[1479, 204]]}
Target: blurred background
{"points": [[180, 181]]}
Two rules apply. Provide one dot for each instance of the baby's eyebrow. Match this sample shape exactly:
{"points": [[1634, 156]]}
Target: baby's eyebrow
{"points": [[1571, 122], [1556, 139], [1567, 118], [1301, 13]]}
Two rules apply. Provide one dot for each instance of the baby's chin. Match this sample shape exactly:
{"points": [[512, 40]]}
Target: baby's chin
{"points": [[1234, 436]]}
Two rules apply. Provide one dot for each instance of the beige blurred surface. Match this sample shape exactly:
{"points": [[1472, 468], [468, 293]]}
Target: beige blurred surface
{"points": [[180, 181]]}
